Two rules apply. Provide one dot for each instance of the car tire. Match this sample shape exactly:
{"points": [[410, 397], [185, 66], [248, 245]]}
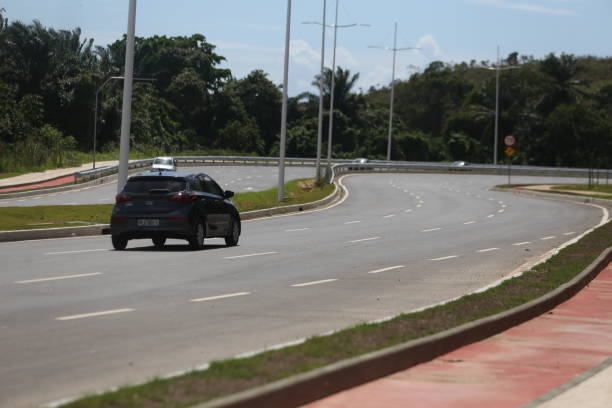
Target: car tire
{"points": [[232, 239], [197, 240], [119, 242], [159, 242]]}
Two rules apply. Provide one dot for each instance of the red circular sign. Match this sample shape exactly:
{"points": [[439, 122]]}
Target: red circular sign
{"points": [[509, 140]]}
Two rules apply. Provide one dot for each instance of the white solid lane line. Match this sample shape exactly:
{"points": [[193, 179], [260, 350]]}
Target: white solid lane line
{"points": [[390, 268], [444, 258], [547, 238], [249, 255], [95, 314], [229, 295], [351, 222], [488, 250], [76, 252], [297, 285], [82, 275], [297, 229], [362, 240], [521, 243], [432, 229], [469, 222]]}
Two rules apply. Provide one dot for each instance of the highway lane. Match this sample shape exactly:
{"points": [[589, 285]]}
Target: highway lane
{"points": [[239, 179], [76, 316]]}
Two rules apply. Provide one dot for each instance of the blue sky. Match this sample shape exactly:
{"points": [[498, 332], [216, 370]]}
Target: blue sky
{"points": [[250, 33]]}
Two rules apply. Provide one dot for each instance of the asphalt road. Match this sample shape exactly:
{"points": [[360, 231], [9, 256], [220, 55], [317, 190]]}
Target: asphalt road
{"points": [[239, 179], [76, 316]]}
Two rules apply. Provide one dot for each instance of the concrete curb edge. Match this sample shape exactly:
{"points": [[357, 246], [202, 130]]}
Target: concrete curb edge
{"points": [[304, 388]]}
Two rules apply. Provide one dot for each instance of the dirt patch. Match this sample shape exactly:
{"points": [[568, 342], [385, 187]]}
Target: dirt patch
{"points": [[306, 185]]}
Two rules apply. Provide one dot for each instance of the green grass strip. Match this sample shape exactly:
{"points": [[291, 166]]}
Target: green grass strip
{"points": [[226, 377], [55, 216]]}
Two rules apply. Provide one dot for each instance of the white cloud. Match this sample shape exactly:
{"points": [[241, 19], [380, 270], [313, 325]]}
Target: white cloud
{"points": [[429, 48], [528, 7], [303, 54]]}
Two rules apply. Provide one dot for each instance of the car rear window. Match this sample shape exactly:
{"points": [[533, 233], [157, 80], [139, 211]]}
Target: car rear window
{"points": [[144, 185]]}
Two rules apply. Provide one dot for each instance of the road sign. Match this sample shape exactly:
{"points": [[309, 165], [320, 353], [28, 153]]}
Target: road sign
{"points": [[509, 151], [509, 140]]}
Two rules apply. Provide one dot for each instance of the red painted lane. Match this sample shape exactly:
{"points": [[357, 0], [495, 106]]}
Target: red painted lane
{"points": [[58, 181], [510, 369]]}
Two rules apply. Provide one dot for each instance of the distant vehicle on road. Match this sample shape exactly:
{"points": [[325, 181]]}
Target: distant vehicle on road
{"points": [[181, 205], [460, 163], [360, 160], [163, 164]]}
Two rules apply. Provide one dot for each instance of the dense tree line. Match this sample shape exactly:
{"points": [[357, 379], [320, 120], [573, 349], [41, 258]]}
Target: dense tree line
{"points": [[559, 107]]}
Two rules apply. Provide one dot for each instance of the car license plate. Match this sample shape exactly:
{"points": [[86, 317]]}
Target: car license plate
{"points": [[152, 222]]}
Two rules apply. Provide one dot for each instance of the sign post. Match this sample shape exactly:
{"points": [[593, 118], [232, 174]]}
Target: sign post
{"points": [[510, 141]]}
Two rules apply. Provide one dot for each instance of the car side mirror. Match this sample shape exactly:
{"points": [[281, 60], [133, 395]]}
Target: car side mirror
{"points": [[228, 194]]}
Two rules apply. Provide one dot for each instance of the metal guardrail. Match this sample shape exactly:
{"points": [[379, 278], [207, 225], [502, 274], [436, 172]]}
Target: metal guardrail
{"points": [[341, 166]]}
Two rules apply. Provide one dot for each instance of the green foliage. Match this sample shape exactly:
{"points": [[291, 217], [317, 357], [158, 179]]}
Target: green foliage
{"points": [[559, 107]]}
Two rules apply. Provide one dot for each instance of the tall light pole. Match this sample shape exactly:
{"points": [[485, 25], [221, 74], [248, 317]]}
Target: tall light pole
{"points": [[320, 125], [498, 68], [335, 26], [126, 111], [395, 50], [95, 133], [283, 136]]}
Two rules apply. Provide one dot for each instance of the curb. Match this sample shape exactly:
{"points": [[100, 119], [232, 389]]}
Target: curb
{"points": [[555, 196], [311, 386], [102, 229]]}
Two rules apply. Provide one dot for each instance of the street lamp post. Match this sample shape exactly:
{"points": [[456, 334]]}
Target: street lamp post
{"points": [[126, 111], [394, 49], [95, 133], [320, 125], [498, 68], [335, 26], [283, 136]]}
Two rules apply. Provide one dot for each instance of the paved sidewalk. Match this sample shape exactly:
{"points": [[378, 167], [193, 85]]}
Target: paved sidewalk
{"points": [[558, 360], [48, 177]]}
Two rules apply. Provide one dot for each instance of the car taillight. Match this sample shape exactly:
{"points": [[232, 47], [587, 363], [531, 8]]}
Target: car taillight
{"points": [[121, 197], [183, 197]]}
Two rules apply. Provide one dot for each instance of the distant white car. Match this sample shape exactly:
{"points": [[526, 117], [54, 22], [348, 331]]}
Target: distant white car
{"points": [[164, 164]]}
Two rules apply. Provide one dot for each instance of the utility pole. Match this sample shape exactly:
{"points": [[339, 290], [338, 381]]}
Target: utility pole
{"points": [[394, 49], [281, 162]]}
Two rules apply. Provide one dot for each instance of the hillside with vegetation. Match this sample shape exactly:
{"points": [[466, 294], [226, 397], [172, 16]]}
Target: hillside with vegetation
{"points": [[559, 107]]}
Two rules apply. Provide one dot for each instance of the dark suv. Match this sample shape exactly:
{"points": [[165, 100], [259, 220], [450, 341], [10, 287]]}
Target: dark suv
{"points": [[180, 205]]}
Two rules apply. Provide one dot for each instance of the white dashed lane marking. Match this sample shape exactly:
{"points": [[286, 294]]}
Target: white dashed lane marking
{"points": [[390, 268], [389, 216], [362, 240], [229, 295], [297, 285], [547, 238], [521, 243], [569, 233], [250, 255], [77, 252], [352, 222], [469, 222], [488, 250], [297, 229], [432, 229], [82, 275], [444, 258], [95, 314]]}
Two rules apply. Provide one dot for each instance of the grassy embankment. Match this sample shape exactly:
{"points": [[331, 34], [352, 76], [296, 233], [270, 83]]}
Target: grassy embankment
{"points": [[18, 218], [230, 376]]}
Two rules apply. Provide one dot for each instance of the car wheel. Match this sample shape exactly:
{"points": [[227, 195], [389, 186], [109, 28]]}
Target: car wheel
{"points": [[232, 239], [159, 241], [197, 240], [119, 242]]}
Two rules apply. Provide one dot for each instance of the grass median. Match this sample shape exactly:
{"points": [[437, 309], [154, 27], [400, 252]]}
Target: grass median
{"points": [[226, 377], [56, 216]]}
